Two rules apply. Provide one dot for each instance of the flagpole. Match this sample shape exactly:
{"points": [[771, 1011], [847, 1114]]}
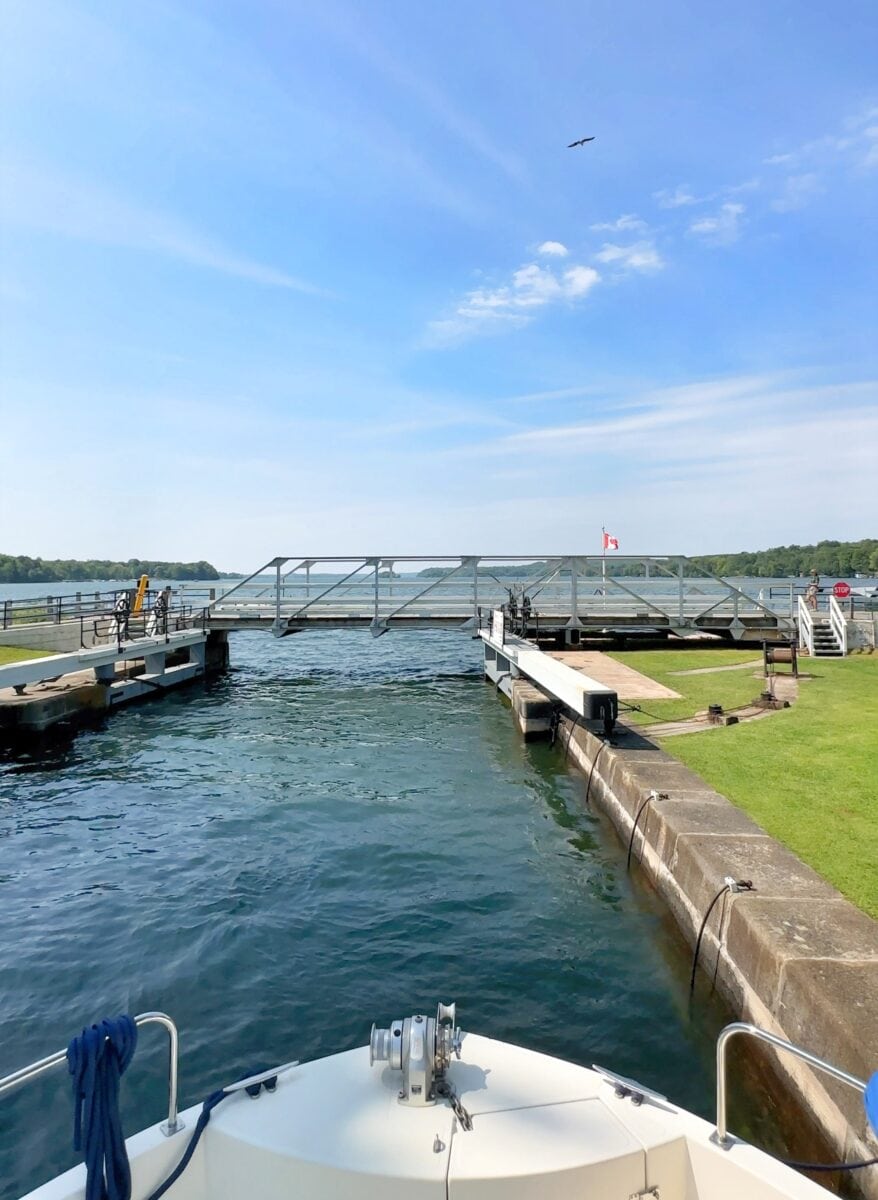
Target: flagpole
{"points": [[604, 559]]}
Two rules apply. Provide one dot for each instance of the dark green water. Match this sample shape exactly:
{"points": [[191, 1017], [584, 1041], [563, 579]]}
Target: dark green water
{"points": [[340, 830]]}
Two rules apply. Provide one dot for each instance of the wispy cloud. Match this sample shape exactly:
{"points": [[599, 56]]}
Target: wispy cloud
{"points": [[797, 191], [627, 223], [494, 310], [71, 207], [680, 197], [348, 26], [721, 229], [694, 431], [642, 414], [640, 256], [553, 249], [854, 145], [870, 157]]}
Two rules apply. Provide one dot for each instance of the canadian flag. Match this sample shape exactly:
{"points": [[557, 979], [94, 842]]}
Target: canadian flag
{"points": [[610, 542]]}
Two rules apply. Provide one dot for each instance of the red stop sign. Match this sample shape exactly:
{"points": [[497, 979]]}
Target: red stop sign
{"points": [[841, 590]]}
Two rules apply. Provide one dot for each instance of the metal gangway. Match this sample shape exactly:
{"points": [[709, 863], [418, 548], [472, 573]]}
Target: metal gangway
{"points": [[555, 594]]}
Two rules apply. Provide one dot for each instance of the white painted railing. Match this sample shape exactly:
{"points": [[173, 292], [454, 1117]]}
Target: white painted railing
{"points": [[839, 624], [806, 625]]}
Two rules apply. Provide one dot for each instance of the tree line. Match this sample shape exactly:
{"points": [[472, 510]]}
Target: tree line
{"points": [[21, 569], [826, 558]]}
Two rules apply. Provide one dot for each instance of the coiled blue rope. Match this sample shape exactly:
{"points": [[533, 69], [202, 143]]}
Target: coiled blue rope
{"points": [[97, 1059]]}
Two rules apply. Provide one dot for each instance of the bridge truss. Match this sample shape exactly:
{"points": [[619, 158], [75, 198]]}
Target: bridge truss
{"points": [[573, 593]]}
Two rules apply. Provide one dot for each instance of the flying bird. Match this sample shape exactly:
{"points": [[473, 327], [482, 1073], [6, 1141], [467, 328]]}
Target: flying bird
{"points": [[581, 142]]}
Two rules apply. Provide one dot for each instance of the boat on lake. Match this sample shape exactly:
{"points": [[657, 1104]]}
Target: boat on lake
{"points": [[426, 1112]]}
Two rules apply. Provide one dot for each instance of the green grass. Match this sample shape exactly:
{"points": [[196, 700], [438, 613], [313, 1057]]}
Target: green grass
{"points": [[14, 654], [808, 774], [728, 688]]}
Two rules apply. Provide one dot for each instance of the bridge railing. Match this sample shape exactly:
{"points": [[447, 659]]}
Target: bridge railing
{"points": [[670, 590]]}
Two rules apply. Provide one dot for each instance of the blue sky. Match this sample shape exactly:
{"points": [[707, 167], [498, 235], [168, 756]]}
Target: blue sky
{"points": [[324, 278]]}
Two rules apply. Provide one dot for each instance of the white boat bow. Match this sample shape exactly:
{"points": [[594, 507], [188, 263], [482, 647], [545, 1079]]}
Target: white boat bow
{"points": [[339, 1128]]}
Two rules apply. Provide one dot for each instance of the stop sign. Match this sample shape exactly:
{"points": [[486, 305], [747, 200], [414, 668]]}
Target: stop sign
{"points": [[841, 590]]}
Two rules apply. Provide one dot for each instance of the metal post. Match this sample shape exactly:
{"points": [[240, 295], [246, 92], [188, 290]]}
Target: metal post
{"points": [[375, 618], [680, 588], [277, 566], [307, 581], [574, 598]]}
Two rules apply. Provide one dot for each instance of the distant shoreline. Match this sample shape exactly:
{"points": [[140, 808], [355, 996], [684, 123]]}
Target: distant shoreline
{"points": [[22, 569]]}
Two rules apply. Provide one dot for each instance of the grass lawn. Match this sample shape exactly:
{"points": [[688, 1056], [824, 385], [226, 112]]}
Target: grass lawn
{"points": [[808, 774], [728, 688], [14, 654]]}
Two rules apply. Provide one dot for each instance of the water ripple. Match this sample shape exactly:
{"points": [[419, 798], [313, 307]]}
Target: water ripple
{"points": [[339, 821]]}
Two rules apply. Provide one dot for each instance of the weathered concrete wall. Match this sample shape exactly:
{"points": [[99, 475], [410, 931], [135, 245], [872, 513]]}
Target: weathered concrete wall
{"points": [[863, 632], [533, 708], [57, 639], [794, 956]]}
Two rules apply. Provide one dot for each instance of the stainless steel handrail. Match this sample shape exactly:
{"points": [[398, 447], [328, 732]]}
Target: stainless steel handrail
{"points": [[722, 1134], [173, 1123]]}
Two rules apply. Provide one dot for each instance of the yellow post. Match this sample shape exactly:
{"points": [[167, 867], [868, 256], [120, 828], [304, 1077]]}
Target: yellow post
{"points": [[141, 592]]}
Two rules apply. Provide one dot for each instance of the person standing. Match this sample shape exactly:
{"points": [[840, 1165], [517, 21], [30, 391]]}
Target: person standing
{"points": [[121, 614], [158, 621], [813, 590]]}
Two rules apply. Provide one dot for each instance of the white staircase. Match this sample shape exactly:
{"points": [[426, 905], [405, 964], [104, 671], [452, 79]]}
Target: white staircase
{"points": [[823, 634], [824, 639]]}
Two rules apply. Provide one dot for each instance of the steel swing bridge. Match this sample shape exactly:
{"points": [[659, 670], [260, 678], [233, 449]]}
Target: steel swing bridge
{"points": [[566, 595]]}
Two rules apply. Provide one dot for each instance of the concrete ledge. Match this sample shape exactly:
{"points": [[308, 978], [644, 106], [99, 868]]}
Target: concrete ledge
{"points": [[533, 708], [794, 956]]}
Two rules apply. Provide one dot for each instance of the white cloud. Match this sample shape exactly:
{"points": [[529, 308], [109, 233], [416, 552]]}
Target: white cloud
{"points": [[641, 256], [579, 280], [680, 197], [72, 207], [494, 310], [553, 249], [722, 229], [798, 190], [627, 223]]}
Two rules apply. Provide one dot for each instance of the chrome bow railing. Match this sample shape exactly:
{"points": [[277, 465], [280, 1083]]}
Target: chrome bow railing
{"points": [[173, 1123], [722, 1136]]}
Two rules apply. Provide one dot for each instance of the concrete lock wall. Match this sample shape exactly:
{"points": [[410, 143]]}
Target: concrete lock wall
{"points": [[62, 638], [793, 957]]}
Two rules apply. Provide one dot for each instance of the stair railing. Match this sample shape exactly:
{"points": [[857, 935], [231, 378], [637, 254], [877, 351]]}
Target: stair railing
{"points": [[806, 625], [839, 624]]}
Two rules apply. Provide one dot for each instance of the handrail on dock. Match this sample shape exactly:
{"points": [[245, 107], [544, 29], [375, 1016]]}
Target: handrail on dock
{"points": [[173, 1123]]}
